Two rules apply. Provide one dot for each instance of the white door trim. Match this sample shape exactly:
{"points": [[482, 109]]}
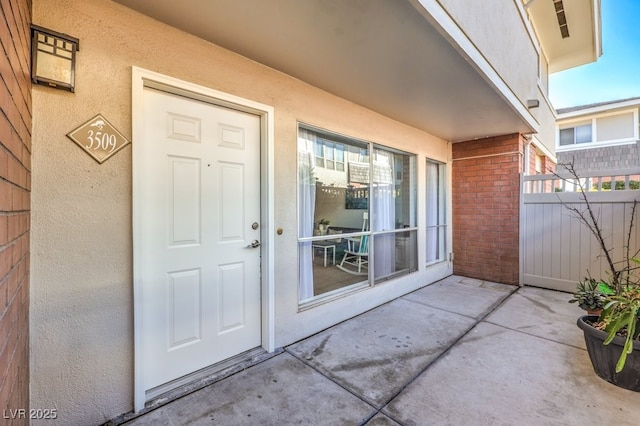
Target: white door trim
{"points": [[142, 78]]}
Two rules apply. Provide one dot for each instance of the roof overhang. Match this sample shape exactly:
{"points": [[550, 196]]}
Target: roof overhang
{"points": [[599, 108], [581, 20], [392, 57]]}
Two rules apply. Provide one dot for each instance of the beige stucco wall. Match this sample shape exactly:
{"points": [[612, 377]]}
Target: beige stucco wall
{"points": [[615, 127], [512, 54], [546, 116], [82, 290], [504, 39]]}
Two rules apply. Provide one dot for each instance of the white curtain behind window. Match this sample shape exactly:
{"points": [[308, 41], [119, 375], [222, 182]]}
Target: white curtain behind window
{"points": [[306, 209], [432, 211], [383, 214]]}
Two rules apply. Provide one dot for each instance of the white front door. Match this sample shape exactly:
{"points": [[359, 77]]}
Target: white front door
{"points": [[200, 204]]}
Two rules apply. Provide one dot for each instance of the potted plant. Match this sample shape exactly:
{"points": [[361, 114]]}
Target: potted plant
{"points": [[322, 225], [612, 336], [590, 295]]}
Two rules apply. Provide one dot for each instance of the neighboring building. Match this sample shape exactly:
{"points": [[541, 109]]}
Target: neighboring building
{"points": [[405, 123], [599, 136]]}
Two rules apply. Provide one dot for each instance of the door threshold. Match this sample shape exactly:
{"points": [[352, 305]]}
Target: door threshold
{"points": [[168, 392]]}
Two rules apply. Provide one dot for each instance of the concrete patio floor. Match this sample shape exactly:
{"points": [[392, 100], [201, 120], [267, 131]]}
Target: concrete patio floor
{"points": [[457, 352]]}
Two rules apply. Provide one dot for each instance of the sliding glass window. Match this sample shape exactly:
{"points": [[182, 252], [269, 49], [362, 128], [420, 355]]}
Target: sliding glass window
{"points": [[436, 213], [354, 227], [393, 209]]}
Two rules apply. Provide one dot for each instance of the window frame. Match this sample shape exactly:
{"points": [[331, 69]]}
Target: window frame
{"points": [[575, 133], [441, 225], [370, 150], [328, 153]]}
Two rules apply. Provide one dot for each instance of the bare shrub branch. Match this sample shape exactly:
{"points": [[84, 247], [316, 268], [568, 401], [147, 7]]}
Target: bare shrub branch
{"points": [[619, 274]]}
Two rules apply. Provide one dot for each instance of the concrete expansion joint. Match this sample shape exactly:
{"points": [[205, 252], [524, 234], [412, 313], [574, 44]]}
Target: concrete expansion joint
{"points": [[520, 330], [378, 409], [477, 321], [323, 374]]}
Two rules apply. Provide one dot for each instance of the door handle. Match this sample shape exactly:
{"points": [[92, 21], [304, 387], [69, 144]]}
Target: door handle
{"points": [[254, 244]]}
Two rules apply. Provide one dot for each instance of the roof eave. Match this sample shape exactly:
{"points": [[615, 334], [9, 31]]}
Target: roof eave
{"points": [[584, 43]]}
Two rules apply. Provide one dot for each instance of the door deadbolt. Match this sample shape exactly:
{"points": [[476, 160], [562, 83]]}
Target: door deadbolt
{"points": [[254, 225]]}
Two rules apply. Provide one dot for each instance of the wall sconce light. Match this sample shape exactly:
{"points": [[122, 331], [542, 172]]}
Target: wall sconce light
{"points": [[533, 103], [53, 58]]}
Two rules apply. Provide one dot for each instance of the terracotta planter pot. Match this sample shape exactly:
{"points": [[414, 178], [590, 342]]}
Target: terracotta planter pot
{"points": [[604, 357]]}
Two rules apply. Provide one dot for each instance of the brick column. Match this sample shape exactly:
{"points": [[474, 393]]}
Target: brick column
{"points": [[15, 190], [486, 208]]}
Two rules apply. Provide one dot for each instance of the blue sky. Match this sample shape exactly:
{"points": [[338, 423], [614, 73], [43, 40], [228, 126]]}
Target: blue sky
{"points": [[616, 75]]}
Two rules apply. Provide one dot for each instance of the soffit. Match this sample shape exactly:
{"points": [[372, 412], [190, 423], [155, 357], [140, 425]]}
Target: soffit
{"points": [[583, 22], [383, 55]]}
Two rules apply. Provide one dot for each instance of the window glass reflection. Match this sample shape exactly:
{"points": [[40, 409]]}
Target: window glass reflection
{"points": [[346, 212]]}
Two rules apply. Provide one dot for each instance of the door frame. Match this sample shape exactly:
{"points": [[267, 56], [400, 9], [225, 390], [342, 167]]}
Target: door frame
{"points": [[142, 78]]}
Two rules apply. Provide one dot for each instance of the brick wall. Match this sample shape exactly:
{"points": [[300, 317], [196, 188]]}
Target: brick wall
{"points": [[546, 165], [15, 184], [532, 160], [486, 200]]}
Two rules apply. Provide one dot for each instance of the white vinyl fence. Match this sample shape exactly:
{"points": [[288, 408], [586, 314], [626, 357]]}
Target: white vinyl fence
{"points": [[557, 249]]}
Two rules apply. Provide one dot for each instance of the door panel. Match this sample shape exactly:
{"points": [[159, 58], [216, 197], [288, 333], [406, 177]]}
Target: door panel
{"points": [[201, 194], [184, 201], [185, 315], [231, 201], [232, 303]]}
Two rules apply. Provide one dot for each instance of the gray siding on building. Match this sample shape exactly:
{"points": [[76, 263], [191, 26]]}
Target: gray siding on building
{"points": [[610, 157]]}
